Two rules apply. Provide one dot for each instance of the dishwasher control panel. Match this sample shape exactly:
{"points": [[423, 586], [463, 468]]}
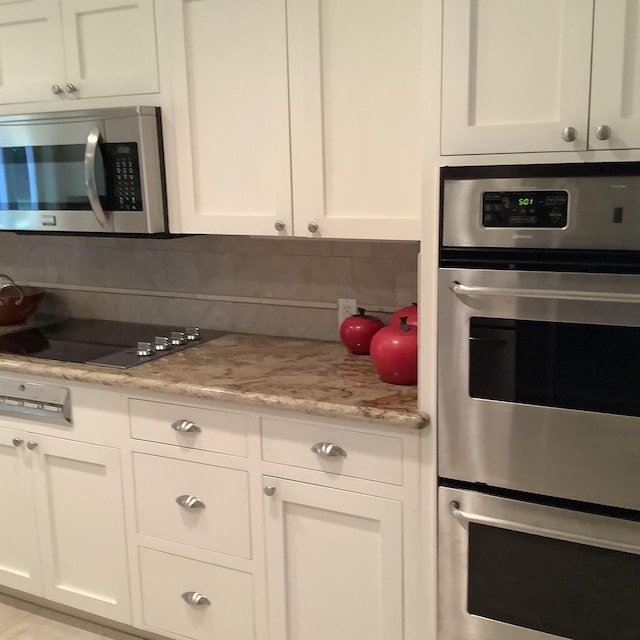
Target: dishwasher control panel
{"points": [[34, 400]]}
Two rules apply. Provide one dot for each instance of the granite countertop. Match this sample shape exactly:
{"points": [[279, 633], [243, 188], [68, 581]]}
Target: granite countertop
{"points": [[314, 377]]}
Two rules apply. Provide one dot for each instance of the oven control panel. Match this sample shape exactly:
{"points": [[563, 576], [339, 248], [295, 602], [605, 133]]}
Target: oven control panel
{"points": [[517, 209]]}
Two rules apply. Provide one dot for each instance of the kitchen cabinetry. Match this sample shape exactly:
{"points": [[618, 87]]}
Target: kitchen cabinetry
{"points": [[335, 563], [553, 75], [62, 535], [335, 514], [298, 118], [198, 574], [68, 49]]}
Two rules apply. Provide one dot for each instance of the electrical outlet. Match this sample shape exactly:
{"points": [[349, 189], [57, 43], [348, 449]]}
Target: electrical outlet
{"points": [[346, 307]]}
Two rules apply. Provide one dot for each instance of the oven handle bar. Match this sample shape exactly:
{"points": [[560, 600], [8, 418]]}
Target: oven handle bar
{"points": [[551, 294], [464, 516]]}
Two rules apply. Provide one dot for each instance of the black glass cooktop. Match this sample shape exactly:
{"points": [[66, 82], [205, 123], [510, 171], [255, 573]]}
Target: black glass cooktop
{"points": [[100, 342]]}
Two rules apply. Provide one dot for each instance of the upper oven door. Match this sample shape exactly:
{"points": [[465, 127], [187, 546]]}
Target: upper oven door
{"points": [[539, 382]]}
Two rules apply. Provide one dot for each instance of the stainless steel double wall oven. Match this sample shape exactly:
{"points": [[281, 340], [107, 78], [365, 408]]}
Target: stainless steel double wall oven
{"points": [[539, 402]]}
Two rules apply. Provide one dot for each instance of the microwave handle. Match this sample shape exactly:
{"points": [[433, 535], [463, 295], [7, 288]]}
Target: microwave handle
{"points": [[464, 516], [90, 176], [550, 294]]}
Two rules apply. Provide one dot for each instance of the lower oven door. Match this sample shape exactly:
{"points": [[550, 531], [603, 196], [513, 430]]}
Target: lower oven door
{"points": [[539, 382], [512, 570]]}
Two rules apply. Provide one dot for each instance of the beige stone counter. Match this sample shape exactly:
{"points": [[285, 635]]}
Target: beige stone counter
{"points": [[317, 378]]}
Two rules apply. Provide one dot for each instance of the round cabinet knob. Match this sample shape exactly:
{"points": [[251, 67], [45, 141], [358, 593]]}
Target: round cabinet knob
{"points": [[17, 442], [279, 225], [70, 88], [55, 89], [603, 132], [569, 134], [31, 445], [269, 490], [313, 227]]}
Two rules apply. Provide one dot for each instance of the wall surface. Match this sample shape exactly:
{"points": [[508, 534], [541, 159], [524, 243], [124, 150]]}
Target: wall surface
{"points": [[273, 286]]}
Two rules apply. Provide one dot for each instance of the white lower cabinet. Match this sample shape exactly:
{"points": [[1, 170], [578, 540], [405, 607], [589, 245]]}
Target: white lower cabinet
{"points": [[334, 563], [195, 599], [213, 523], [62, 534]]}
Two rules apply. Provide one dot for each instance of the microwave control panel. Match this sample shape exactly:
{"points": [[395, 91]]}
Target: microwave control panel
{"points": [[125, 192], [518, 209]]}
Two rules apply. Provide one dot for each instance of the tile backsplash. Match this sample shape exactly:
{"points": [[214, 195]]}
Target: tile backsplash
{"points": [[274, 286]]}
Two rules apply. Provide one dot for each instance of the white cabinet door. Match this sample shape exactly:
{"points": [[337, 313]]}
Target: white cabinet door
{"points": [[356, 117], [31, 51], [515, 75], [110, 47], [615, 90], [19, 554], [78, 496], [334, 563], [231, 115]]}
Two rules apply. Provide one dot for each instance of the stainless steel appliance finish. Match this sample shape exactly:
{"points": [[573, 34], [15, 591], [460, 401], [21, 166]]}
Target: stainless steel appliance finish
{"points": [[35, 401], [515, 570], [538, 405], [104, 343], [91, 171], [506, 440], [593, 203]]}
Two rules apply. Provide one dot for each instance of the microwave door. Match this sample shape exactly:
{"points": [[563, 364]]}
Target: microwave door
{"points": [[43, 179]]}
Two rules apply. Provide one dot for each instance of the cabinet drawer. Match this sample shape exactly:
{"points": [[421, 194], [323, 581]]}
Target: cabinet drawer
{"points": [[221, 523], [219, 431], [368, 456], [165, 578]]}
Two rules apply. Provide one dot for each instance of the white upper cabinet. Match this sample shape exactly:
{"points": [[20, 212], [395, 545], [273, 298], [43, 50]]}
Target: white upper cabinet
{"points": [[615, 91], [31, 51], [356, 110], [231, 118], [298, 118], [54, 51], [515, 75], [110, 46]]}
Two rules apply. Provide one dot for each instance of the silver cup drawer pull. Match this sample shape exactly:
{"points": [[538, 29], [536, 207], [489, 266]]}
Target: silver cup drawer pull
{"points": [[190, 502], [329, 450], [185, 426], [195, 599]]}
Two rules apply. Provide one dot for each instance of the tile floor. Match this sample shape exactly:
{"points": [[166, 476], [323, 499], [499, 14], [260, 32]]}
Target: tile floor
{"points": [[24, 621]]}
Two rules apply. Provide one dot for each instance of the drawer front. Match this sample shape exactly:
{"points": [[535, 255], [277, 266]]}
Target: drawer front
{"points": [[165, 578], [219, 521], [368, 456], [212, 430]]}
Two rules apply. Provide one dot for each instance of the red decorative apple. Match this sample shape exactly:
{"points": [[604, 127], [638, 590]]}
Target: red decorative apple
{"points": [[394, 352], [357, 331], [411, 312]]}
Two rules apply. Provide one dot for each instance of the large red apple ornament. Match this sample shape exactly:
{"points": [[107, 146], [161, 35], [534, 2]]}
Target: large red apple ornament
{"points": [[394, 352], [357, 331]]}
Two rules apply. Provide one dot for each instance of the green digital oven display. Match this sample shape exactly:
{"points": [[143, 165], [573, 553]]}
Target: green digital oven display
{"points": [[532, 209]]}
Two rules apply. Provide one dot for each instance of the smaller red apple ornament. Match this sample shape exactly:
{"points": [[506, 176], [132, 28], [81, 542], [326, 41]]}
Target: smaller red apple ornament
{"points": [[394, 352], [357, 331]]}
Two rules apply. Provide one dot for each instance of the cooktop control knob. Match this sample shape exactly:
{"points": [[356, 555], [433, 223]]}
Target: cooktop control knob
{"points": [[144, 349], [177, 338], [161, 343], [193, 333]]}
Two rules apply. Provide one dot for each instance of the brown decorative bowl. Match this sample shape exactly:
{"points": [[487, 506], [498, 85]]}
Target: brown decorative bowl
{"points": [[17, 304]]}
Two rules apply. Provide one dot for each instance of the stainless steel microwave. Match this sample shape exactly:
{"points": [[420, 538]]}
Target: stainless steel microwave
{"points": [[93, 171]]}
